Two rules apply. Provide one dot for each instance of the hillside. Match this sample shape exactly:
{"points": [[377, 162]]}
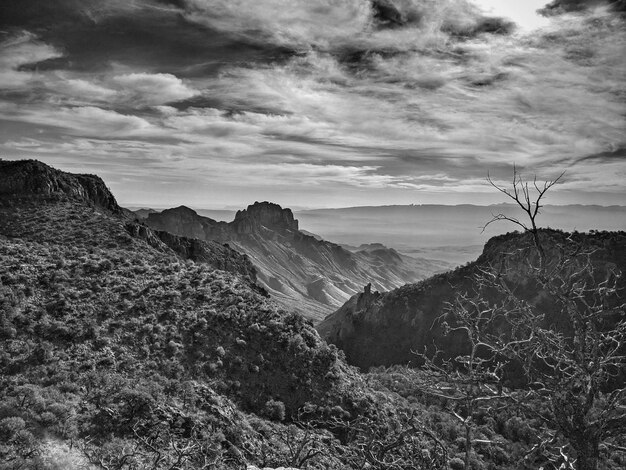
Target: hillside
{"points": [[300, 271], [387, 328], [115, 345]]}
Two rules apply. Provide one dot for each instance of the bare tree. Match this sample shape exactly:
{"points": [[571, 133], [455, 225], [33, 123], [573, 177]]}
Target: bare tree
{"points": [[398, 445], [574, 367], [521, 193], [468, 384], [566, 331], [382, 440]]}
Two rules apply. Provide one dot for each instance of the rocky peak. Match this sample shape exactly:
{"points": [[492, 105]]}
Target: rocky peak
{"points": [[180, 211], [32, 178], [264, 214]]}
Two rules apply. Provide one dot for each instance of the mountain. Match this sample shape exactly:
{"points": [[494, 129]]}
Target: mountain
{"points": [[125, 347], [117, 337], [143, 213], [388, 328], [75, 254], [300, 271]]}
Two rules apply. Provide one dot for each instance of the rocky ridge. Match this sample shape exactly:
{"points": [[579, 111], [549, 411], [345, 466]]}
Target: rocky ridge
{"points": [[27, 182], [26, 178]]}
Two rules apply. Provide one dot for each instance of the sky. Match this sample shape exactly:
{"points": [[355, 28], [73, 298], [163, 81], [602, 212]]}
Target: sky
{"points": [[318, 103]]}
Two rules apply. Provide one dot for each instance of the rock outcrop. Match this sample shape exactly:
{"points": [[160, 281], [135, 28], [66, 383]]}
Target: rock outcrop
{"points": [[24, 178], [264, 214], [186, 222]]}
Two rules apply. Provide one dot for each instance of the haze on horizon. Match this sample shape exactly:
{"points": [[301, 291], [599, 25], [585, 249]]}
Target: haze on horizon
{"points": [[218, 103]]}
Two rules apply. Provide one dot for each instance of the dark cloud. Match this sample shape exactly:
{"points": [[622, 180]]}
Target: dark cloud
{"points": [[94, 34], [230, 107], [38, 15], [617, 155], [487, 25], [386, 13], [558, 7]]}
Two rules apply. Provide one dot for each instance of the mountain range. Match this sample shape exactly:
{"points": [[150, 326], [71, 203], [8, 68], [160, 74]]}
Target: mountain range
{"points": [[453, 233], [301, 271], [450, 233]]}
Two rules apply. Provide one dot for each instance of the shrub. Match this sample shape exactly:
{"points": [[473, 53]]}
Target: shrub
{"points": [[274, 410]]}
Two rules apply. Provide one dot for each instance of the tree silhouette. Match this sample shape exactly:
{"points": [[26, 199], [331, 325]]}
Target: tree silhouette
{"points": [[521, 193]]}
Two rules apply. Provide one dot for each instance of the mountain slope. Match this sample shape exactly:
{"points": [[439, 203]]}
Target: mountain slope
{"points": [[387, 328], [111, 340], [300, 271]]}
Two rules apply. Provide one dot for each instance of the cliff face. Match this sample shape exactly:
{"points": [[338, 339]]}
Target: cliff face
{"points": [[264, 214], [388, 328], [29, 177], [184, 221], [301, 272], [214, 254]]}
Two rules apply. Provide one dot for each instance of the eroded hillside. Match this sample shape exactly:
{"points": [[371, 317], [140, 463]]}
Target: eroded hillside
{"points": [[301, 272]]}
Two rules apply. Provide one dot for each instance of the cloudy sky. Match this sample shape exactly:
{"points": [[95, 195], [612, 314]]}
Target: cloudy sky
{"points": [[317, 103]]}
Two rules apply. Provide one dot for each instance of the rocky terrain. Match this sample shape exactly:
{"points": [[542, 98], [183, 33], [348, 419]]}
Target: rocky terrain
{"points": [[299, 270], [31, 178], [124, 347], [386, 328]]}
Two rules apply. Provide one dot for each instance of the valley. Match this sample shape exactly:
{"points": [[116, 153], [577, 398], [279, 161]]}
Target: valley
{"points": [[301, 271]]}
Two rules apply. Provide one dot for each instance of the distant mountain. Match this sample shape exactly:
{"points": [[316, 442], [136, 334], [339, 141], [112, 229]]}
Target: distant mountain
{"points": [[143, 213], [443, 232], [300, 271], [387, 328]]}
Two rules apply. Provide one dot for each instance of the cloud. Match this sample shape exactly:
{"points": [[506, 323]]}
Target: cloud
{"points": [[335, 25], [80, 121], [324, 95], [152, 89], [18, 51], [79, 90], [558, 7], [301, 24]]}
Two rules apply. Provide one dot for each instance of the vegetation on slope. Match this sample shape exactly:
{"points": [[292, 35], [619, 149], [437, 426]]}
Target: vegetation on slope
{"points": [[117, 353]]}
